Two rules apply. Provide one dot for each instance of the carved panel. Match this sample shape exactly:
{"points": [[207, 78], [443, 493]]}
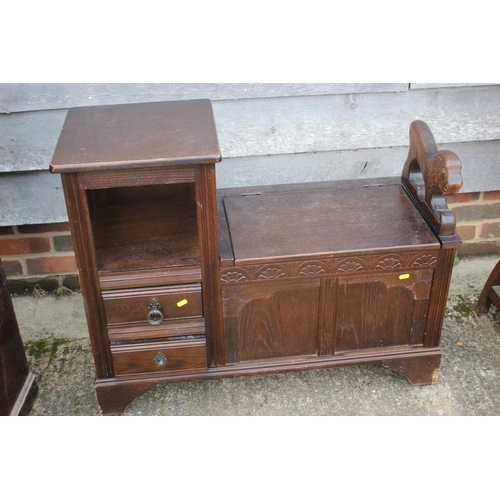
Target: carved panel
{"points": [[429, 175], [312, 269], [352, 265], [328, 267], [381, 311], [389, 262], [233, 276], [273, 273], [271, 319], [426, 260]]}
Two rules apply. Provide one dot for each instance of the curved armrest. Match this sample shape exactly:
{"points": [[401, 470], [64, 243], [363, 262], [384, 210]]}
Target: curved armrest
{"points": [[429, 175]]}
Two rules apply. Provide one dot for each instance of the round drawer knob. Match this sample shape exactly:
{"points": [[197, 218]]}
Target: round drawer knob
{"points": [[155, 316], [160, 360]]}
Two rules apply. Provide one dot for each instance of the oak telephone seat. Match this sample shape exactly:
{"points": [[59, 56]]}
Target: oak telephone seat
{"points": [[182, 281]]}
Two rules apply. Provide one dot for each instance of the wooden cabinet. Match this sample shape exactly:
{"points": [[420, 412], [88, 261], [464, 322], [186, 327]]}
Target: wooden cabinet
{"points": [[139, 182], [183, 282], [18, 387]]}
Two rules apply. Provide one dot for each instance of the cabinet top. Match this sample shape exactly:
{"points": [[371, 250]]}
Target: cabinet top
{"points": [[137, 135]]}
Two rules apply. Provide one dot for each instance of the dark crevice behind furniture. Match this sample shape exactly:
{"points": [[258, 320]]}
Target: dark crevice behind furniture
{"points": [[490, 293]]}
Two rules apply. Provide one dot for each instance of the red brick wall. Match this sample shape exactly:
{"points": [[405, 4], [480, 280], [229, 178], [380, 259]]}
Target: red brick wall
{"points": [[39, 253], [478, 222], [43, 253]]}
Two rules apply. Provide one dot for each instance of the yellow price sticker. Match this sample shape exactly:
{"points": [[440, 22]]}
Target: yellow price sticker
{"points": [[404, 276], [182, 302]]}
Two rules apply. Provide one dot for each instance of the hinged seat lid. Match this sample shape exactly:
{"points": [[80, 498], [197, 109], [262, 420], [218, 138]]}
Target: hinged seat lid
{"points": [[286, 225]]}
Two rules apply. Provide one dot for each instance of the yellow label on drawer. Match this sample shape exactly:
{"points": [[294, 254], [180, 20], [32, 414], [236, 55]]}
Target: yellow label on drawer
{"points": [[182, 302], [404, 276]]}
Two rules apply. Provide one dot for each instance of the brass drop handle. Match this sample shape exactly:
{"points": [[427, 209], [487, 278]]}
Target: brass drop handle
{"points": [[155, 316]]}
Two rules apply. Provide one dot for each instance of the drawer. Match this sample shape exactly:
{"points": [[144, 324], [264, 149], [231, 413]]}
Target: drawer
{"points": [[173, 329], [159, 357], [153, 306]]}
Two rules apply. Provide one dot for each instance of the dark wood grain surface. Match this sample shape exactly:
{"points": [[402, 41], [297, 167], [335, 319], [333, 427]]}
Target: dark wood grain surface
{"points": [[180, 328], [77, 205], [131, 135], [295, 224], [132, 306], [187, 355], [208, 230], [18, 387], [490, 292], [428, 176], [382, 310], [146, 236], [271, 320], [276, 278]]}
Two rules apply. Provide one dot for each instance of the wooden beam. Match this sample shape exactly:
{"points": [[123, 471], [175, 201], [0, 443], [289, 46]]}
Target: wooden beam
{"points": [[37, 198], [414, 86], [480, 170], [290, 125], [18, 97]]}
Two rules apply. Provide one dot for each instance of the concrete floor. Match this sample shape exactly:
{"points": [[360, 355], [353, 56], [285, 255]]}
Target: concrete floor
{"points": [[56, 338]]}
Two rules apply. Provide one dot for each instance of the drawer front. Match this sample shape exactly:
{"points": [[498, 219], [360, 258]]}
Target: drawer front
{"points": [[159, 357], [169, 329], [153, 306]]}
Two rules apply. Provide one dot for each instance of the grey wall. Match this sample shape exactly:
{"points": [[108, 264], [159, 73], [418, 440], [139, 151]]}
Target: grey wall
{"points": [[269, 133]]}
